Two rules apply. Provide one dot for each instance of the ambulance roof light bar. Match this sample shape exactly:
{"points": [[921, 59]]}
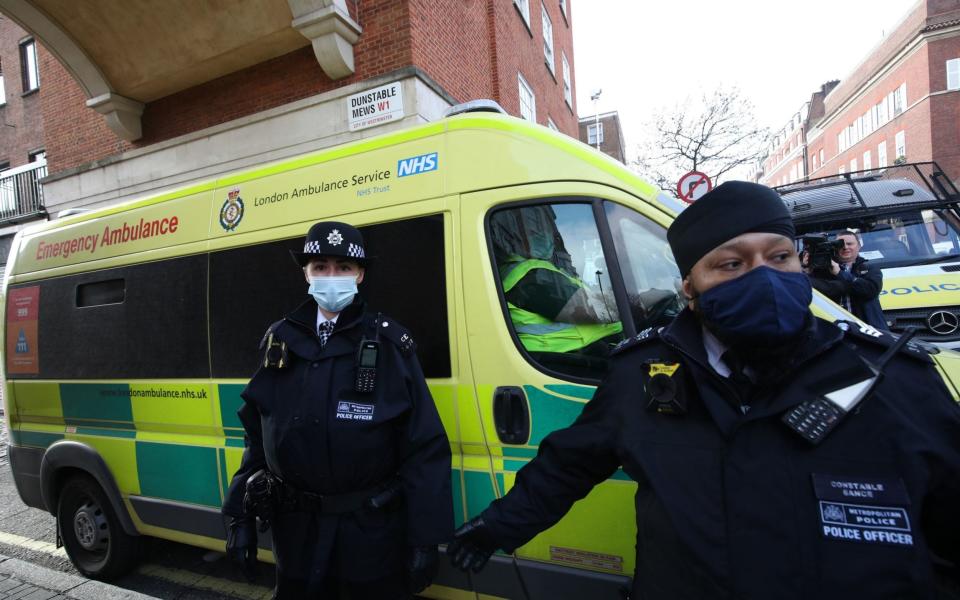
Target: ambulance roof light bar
{"points": [[482, 105]]}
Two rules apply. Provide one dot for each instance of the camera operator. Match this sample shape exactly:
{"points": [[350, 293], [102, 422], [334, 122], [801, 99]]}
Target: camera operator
{"points": [[848, 280]]}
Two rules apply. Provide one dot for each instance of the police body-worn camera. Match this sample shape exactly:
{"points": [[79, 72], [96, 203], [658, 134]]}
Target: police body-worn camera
{"points": [[821, 251]]}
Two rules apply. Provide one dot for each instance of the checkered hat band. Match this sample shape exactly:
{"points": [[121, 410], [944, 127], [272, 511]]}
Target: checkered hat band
{"points": [[311, 248], [355, 251]]}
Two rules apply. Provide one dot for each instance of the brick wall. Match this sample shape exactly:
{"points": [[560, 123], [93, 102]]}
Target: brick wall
{"points": [[450, 40], [944, 108], [520, 49], [21, 121]]}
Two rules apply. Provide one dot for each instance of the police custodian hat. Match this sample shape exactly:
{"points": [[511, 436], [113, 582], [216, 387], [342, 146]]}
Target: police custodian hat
{"points": [[731, 209], [332, 238]]}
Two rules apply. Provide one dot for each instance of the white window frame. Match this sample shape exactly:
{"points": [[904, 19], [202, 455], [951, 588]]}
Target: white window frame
{"points": [[523, 6], [552, 125], [953, 74], [563, 10], [592, 130], [548, 55], [867, 161], [567, 88], [841, 170], [853, 165], [821, 156], [524, 87], [900, 145], [3, 91], [29, 68], [882, 154]]}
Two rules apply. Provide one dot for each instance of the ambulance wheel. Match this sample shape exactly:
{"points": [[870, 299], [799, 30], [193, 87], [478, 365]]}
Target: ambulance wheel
{"points": [[91, 532]]}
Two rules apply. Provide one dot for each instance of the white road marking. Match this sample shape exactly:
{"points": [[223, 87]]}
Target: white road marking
{"points": [[183, 577]]}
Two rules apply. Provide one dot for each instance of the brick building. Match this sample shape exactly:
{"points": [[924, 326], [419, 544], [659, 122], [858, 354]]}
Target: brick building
{"points": [[605, 129], [22, 150], [901, 103], [163, 93]]}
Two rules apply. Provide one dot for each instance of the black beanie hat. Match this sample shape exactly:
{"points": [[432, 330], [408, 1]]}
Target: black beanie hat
{"points": [[731, 209]]}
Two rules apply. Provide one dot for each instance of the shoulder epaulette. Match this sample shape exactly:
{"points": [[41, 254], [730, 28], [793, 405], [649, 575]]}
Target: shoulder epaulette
{"points": [[884, 339], [266, 334], [396, 333], [648, 334]]}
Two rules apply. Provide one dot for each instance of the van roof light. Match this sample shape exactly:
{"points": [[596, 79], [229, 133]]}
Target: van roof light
{"points": [[482, 105]]}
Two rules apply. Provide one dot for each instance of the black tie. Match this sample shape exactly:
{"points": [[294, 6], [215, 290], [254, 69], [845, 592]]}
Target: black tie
{"points": [[324, 331], [738, 379]]}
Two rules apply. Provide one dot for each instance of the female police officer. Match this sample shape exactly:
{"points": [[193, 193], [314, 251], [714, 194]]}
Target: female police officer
{"points": [[778, 455], [346, 456]]}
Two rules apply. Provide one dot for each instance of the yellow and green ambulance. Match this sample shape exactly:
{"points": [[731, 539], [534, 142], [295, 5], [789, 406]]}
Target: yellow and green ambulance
{"points": [[130, 332], [908, 222]]}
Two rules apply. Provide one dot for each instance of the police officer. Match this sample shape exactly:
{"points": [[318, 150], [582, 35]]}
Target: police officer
{"points": [[777, 455], [346, 457]]}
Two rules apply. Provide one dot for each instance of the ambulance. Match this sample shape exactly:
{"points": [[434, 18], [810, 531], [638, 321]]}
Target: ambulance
{"points": [[131, 331], [908, 221]]}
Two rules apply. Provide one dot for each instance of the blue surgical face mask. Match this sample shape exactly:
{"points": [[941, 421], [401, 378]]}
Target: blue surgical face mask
{"points": [[762, 307], [333, 294]]}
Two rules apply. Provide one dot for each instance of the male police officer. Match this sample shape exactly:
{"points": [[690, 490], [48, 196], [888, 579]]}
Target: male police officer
{"points": [[773, 460], [356, 480]]}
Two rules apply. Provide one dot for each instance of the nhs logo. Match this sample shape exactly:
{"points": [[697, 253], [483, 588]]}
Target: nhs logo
{"points": [[417, 164]]}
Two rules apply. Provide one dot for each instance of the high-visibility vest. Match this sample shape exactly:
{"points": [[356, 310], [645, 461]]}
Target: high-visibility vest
{"points": [[538, 333]]}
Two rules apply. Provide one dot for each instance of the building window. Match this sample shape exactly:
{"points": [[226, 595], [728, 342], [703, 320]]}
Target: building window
{"points": [[552, 125], [524, 7], [595, 134], [547, 38], [867, 162], [37, 156], [3, 89], [882, 154], [563, 9], [901, 146], [853, 165], [4, 165], [567, 91], [841, 170], [898, 99], [528, 103], [28, 65], [813, 167], [953, 74], [821, 157]]}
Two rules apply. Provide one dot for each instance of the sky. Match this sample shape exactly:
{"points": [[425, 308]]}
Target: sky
{"points": [[647, 55]]}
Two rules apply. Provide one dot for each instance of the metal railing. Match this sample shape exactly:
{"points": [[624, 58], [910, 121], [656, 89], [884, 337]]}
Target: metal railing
{"points": [[21, 195]]}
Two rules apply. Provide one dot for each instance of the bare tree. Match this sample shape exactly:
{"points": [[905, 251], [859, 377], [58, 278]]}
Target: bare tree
{"points": [[715, 137]]}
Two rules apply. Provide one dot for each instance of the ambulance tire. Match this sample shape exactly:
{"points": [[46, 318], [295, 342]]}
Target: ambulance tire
{"points": [[91, 532]]}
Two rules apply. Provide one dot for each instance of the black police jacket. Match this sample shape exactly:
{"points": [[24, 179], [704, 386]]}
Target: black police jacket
{"points": [[305, 423], [861, 284], [737, 505]]}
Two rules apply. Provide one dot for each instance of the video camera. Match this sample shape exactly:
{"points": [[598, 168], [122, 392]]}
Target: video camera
{"points": [[821, 252]]}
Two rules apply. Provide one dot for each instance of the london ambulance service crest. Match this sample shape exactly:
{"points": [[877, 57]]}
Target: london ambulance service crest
{"points": [[231, 213]]}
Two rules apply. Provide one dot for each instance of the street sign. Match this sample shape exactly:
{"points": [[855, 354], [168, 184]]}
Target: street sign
{"points": [[376, 106], [692, 186]]}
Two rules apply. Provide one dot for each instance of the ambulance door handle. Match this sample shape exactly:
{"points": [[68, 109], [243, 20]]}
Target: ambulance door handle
{"points": [[511, 415]]}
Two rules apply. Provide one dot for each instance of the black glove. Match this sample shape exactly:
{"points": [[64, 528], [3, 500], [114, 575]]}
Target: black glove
{"points": [[242, 544], [472, 545], [421, 567]]}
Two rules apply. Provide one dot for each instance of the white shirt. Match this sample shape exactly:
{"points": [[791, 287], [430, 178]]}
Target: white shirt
{"points": [[715, 349]]}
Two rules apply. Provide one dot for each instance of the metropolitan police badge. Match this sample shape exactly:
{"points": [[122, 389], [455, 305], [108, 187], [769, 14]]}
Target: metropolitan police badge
{"points": [[231, 212]]}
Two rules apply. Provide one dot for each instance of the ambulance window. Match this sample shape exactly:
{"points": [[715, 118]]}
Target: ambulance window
{"points": [[98, 293], [254, 286], [144, 321], [555, 287], [650, 274]]}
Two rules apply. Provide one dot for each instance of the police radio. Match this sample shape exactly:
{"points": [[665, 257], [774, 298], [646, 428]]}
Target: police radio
{"points": [[815, 418], [366, 378]]}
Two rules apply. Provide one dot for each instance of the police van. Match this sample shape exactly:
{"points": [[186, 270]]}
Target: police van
{"points": [[908, 221], [517, 256]]}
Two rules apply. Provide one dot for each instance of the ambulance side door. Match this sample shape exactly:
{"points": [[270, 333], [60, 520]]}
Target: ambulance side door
{"points": [[544, 298]]}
